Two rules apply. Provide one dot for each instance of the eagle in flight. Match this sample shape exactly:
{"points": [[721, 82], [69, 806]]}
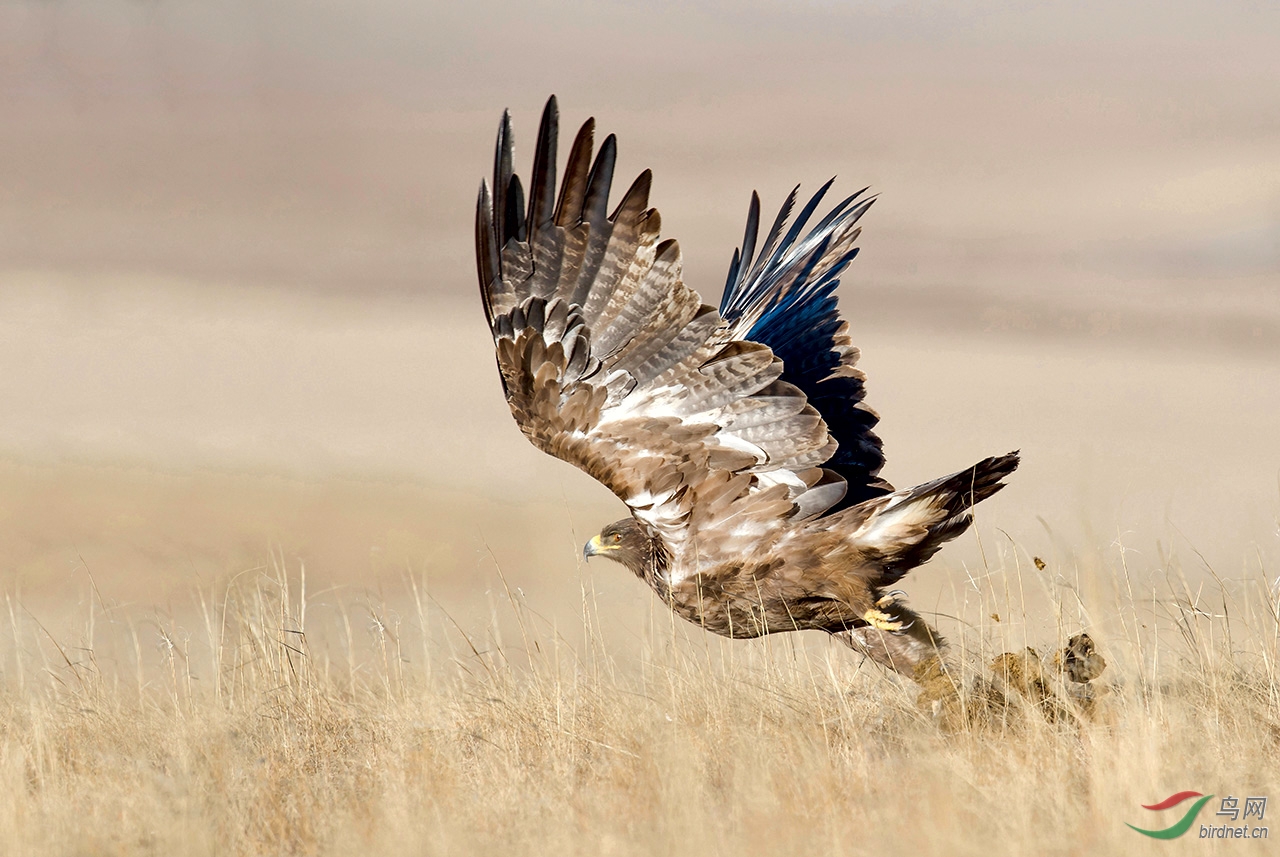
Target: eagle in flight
{"points": [[738, 438]]}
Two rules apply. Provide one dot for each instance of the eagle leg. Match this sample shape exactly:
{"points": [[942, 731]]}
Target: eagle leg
{"points": [[904, 652]]}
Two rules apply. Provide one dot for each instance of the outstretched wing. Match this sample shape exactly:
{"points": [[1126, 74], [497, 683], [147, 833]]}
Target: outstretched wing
{"points": [[611, 363], [785, 299]]}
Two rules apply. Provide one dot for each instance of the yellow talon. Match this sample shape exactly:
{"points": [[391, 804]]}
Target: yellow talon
{"points": [[882, 621]]}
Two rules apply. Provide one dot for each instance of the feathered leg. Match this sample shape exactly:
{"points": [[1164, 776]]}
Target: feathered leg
{"points": [[916, 651], [901, 651]]}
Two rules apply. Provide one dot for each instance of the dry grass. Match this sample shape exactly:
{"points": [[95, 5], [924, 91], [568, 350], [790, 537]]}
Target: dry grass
{"points": [[271, 720]]}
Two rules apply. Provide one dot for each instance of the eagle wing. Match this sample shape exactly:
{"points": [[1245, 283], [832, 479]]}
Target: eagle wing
{"points": [[611, 363], [785, 299]]}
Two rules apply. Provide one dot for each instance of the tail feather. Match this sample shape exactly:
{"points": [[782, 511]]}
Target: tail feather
{"points": [[903, 530]]}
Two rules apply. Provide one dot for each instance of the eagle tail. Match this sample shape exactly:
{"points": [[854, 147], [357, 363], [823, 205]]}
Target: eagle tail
{"points": [[903, 530]]}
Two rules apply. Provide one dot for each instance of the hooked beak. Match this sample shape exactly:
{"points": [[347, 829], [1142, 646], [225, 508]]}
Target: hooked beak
{"points": [[592, 547]]}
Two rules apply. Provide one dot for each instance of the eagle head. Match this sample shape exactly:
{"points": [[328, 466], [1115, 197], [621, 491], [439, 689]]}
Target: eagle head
{"points": [[626, 542]]}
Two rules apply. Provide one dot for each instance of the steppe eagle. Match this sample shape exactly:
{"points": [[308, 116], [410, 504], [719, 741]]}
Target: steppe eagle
{"points": [[738, 438]]}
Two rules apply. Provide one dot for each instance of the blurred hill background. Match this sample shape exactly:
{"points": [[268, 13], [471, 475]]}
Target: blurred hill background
{"points": [[237, 298]]}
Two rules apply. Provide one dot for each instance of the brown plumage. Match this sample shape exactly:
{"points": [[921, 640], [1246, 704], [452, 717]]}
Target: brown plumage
{"points": [[738, 439]]}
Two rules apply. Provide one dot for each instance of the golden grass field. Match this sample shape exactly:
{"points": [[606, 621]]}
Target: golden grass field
{"points": [[220, 659], [283, 577], [257, 714]]}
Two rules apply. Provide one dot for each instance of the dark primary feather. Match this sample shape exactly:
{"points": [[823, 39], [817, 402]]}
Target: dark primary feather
{"points": [[786, 300]]}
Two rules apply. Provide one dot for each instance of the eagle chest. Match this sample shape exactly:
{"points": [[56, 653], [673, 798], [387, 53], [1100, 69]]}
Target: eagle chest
{"points": [[732, 600]]}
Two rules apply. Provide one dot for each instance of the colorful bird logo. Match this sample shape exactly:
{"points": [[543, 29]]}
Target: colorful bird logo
{"points": [[1184, 824]]}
